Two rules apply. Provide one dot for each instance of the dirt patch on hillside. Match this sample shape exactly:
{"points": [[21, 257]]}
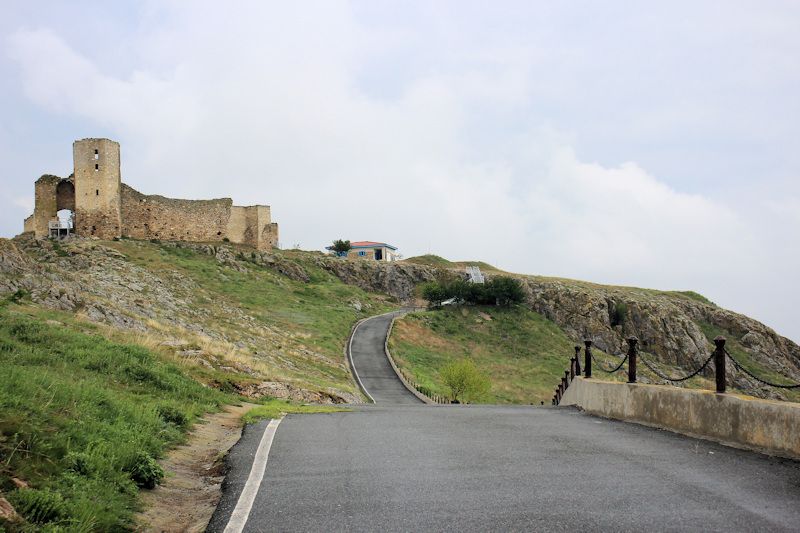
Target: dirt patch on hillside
{"points": [[191, 490]]}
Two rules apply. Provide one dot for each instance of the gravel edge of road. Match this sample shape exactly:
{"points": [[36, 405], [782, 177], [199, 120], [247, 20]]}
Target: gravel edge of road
{"points": [[238, 462]]}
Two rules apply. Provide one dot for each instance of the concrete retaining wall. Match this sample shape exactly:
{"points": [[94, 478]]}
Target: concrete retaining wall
{"points": [[742, 421]]}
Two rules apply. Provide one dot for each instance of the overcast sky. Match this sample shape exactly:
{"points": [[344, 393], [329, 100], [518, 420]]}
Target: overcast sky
{"points": [[617, 142]]}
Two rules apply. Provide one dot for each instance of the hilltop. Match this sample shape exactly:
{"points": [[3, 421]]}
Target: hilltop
{"points": [[257, 323], [675, 328], [274, 323]]}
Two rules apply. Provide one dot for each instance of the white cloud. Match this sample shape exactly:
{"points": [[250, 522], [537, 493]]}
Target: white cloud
{"points": [[264, 104]]}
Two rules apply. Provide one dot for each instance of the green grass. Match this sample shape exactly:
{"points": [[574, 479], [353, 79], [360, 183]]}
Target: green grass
{"points": [[317, 315], [523, 354], [692, 296], [82, 419], [277, 408], [441, 262], [430, 260]]}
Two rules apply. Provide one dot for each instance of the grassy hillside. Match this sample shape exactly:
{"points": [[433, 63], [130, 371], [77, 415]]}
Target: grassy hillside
{"points": [[441, 262], [278, 318], [153, 336], [522, 353], [310, 319], [82, 419]]}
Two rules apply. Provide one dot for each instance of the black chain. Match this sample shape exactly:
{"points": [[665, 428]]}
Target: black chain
{"points": [[677, 380], [609, 371], [739, 366]]}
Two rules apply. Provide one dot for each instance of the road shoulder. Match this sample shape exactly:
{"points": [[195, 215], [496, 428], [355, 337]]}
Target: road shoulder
{"points": [[195, 472]]}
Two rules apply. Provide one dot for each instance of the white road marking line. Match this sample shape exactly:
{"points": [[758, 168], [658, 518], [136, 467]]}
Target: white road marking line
{"points": [[242, 510], [350, 355]]}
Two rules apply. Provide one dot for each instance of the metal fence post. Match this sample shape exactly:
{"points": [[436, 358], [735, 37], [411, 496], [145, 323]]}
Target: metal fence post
{"points": [[572, 368], [719, 363], [587, 364], [578, 360], [632, 341], [566, 379]]}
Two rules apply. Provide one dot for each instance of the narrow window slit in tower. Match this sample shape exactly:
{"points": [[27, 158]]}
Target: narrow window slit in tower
{"points": [[97, 192], [96, 154], [96, 167]]}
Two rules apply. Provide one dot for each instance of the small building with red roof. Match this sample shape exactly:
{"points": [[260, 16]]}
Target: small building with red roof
{"points": [[375, 251]]}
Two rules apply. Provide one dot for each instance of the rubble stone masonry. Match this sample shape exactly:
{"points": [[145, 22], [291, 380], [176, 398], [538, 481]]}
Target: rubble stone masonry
{"points": [[106, 208]]}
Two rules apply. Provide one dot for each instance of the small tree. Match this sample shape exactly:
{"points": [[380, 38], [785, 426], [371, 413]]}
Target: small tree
{"points": [[506, 291], [434, 293], [341, 247], [465, 381]]}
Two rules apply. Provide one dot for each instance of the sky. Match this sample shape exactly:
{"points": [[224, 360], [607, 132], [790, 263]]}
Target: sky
{"points": [[631, 143]]}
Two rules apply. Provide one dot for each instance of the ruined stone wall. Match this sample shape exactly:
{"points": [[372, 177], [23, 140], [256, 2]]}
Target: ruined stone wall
{"points": [[240, 226], [97, 188], [106, 208], [252, 226], [157, 217], [46, 204], [269, 236], [265, 233]]}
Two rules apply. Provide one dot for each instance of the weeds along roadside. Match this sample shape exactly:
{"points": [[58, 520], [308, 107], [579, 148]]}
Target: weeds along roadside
{"points": [[83, 420]]}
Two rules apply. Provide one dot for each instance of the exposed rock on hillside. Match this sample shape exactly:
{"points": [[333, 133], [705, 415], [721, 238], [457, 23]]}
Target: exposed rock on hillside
{"points": [[96, 280], [395, 279], [675, 327], [165, 306]]}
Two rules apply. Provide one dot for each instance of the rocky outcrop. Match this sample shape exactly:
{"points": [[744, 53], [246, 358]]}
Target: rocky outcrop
{"points": [[396, 279], [674, 327], [169, 309], [96, 280], [287, 391]]}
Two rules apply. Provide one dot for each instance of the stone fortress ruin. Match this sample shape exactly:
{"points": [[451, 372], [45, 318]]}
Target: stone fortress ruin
{"points": [[104, 207]]}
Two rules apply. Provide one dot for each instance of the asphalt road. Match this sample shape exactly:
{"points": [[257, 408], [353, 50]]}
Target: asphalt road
{"points": [[372, 367], [476, 468], [400, 465]]}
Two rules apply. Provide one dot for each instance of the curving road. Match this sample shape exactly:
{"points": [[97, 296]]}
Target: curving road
{"points": [[372, 367], [401, 465]]}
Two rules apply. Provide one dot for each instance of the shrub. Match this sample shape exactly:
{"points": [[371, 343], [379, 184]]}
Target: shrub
{"points": [[145, 471], [19, 295], [465, 381], [618, 314], [505, 290], [502, 291], [434, 293], [225, 239]]}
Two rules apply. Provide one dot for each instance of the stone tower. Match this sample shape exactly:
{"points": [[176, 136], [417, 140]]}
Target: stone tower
{"points": [[97, 188]]}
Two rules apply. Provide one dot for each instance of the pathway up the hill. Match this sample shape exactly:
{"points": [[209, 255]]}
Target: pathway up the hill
{"points": [[373, 368]]}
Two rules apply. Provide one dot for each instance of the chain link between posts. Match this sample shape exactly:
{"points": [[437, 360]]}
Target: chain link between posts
{"points": [[676, 380], [741, 368], [617, 369]]}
